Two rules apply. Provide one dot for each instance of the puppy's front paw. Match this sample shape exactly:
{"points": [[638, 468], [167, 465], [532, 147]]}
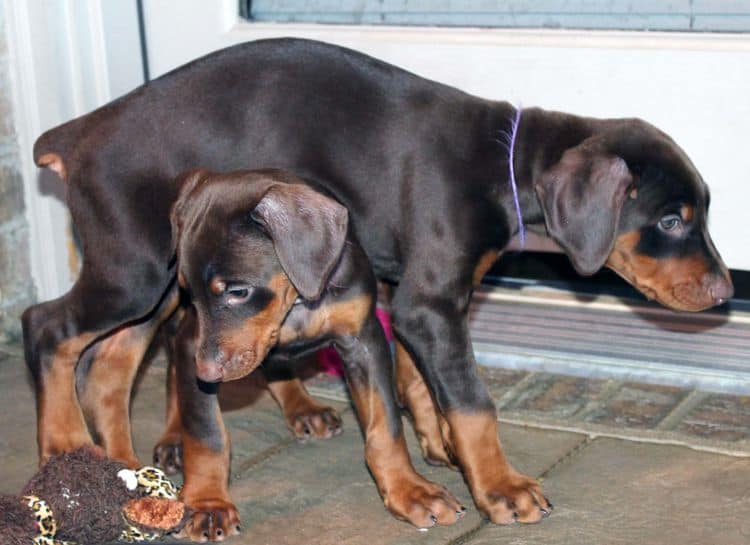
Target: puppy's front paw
{"points": [[168, 454], [422, 503], [211, 520], [314, 421], [517, 498]]}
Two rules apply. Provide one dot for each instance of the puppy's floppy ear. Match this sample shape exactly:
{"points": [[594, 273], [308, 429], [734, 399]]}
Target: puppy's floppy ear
{"points": [[308, 231], [582, 196], [187, 182]]}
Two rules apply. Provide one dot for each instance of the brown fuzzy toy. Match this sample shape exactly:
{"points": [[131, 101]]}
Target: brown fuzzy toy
{"points": [[84, 497]]}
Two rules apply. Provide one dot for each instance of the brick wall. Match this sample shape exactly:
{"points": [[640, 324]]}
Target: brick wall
{"points": [[16, 286]]}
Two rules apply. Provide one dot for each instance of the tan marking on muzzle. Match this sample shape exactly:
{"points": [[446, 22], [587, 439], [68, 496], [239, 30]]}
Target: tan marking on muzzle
{"points": [[675, 282], [247, 346]]}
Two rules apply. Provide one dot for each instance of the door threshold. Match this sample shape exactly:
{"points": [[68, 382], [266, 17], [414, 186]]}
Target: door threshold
{"points": [[556, 331]]}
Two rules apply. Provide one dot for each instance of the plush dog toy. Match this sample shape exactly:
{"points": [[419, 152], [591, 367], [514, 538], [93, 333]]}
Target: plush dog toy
{"points": [[84, 498]]}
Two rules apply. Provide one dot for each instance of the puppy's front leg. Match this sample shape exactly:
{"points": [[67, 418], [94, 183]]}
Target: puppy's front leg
{"points": [[206, 447], [442, 346], [406, 494]]}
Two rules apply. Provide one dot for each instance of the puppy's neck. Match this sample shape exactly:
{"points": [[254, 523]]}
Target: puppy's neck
{"points": [[543, 137]]}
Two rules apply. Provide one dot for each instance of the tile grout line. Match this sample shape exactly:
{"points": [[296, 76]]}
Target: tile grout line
{"points": [[258, 459], [681, 410], [632, 437], [516, 389], [584, 428], [572, 453], [611, 389], [267, 454], [469, 535], [8, 351]]}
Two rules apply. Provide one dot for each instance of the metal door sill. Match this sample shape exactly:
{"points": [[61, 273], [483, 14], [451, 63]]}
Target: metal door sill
{"points": [[555, 331]]}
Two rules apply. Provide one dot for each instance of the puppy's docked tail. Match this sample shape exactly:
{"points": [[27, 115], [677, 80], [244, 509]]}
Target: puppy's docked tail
{"points": [[54, 148]]}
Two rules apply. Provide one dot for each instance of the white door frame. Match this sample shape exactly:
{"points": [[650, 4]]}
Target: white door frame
{"points": [[66, 58]]}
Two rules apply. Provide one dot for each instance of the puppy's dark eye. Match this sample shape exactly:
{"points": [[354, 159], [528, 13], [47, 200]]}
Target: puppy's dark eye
{"points": [[237, 294], [670, 222]]}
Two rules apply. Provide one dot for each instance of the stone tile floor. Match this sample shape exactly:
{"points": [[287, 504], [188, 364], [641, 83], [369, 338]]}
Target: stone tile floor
{"points": [[622, 462]]}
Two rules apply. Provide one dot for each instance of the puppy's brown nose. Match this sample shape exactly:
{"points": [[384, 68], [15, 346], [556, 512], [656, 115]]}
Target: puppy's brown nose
{"points": [[719, 287], [208, 370]]}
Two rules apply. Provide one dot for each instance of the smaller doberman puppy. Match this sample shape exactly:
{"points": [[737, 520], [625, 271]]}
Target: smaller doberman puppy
{"points": [[305, 417], [106, 374], [273, 273]]}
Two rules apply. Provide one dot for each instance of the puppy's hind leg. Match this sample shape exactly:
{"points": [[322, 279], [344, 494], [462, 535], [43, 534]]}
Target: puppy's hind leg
{"points": [[429, 424], [305, 417], [55, 335], [106, 386], [168, 449]]}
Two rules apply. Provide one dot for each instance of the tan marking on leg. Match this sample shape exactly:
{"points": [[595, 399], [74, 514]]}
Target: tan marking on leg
{"points": [[60, 423], [405, 493], [106, 397], [416, 398], [206, 489], [168, 449], [485, 263], [173, 428], [500, 492], [109, 383], [304, 416], [206, 470]]}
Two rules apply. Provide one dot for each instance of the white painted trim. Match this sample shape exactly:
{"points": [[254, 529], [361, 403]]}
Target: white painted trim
{"points": [[600, 39], [45, 275], [205, 29], [58, 67], [85, 55], [230, 14]]}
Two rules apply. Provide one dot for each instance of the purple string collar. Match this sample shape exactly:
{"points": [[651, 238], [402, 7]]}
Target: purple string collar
{"points": [[511, 155]]}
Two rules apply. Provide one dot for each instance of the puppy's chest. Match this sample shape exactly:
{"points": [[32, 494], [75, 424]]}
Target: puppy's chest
{"points": [[323, 320]]}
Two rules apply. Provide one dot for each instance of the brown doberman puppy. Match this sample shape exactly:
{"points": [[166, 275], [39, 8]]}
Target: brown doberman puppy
{"points": [[426, 177], [105, 378], [305, 417], [274, 273]]}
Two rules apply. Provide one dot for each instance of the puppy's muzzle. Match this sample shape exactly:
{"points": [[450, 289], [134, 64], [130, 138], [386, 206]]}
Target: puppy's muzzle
{"points": [[220, 367], [718, 287]]}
